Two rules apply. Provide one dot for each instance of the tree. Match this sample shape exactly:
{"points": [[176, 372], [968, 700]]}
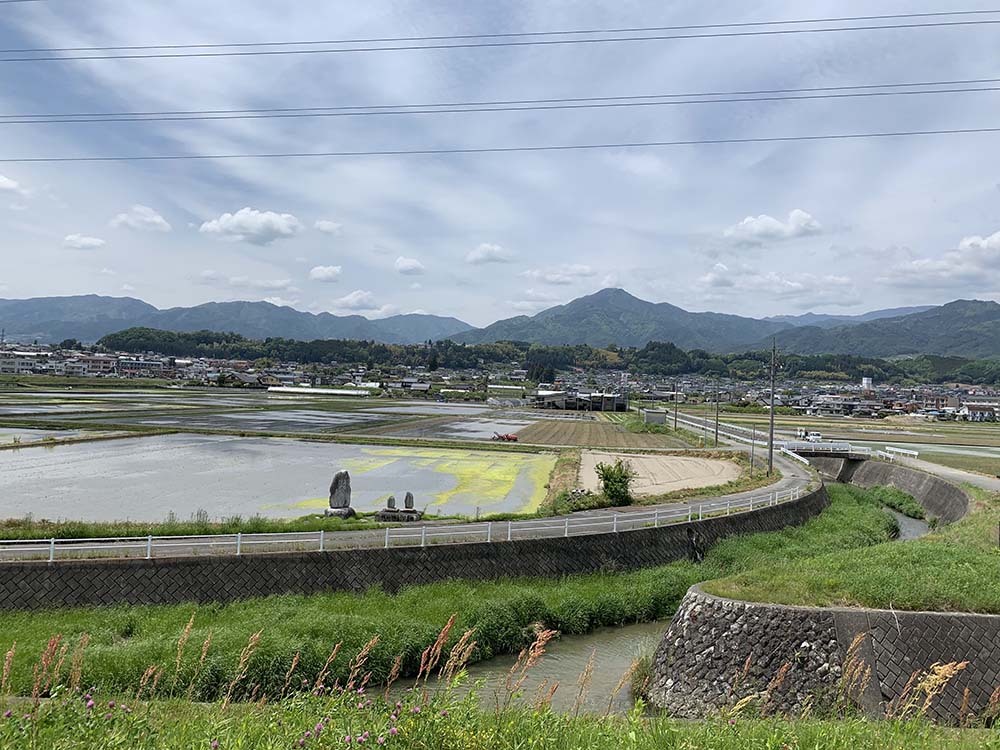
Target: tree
{"points": [[616, 481], [432, 362], [70, 344]]}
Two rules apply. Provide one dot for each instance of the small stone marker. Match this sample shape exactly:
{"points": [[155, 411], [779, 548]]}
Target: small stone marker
{"points": [[408, 501], [391, 502]]}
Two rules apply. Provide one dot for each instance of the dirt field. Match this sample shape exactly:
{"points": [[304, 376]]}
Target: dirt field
{"points": [[658, 475], [597, 434]]}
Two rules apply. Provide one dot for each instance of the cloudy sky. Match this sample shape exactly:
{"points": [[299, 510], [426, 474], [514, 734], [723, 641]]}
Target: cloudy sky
{"points": [[754, 229]]}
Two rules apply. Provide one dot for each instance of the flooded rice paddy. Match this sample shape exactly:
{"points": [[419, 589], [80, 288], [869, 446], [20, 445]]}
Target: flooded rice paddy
{"points": [[147, 478]]}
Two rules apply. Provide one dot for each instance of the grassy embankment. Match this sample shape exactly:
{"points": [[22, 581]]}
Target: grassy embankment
{"points": [[956, 568], [125, 641]]}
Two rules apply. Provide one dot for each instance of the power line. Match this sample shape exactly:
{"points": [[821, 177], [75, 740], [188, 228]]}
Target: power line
{"points": [[508, 35], [492, 44], [504, 102], [502, 149], [592, 104]]}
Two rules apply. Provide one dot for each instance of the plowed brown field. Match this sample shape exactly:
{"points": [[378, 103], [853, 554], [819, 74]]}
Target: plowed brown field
{"points": [[594, 434]]}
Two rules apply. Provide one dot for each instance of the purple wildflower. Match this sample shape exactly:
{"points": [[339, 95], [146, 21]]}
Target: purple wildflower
{"points": [[394, 731], [7, 713], [90, 704]]}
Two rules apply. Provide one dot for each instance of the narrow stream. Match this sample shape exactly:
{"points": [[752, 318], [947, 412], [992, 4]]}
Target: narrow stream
{"points": [[614, 650]]}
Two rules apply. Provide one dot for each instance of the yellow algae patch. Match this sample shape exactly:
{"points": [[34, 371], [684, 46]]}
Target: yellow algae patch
{"points": [[316, 503]]}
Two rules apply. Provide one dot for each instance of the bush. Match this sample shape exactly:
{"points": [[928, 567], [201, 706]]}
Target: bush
{"points": [[616, 481]]}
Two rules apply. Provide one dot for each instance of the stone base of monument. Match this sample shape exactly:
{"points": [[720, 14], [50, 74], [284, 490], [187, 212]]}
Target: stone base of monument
{"points": [[394, 515], [345, 513]]}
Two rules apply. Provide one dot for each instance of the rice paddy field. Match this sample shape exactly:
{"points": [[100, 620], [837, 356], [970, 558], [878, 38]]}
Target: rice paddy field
{"points": [[594, 434], [147, 478]]}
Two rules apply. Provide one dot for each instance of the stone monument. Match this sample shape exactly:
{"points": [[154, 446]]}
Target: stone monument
{"points": [[393, 514], [340, 496]]}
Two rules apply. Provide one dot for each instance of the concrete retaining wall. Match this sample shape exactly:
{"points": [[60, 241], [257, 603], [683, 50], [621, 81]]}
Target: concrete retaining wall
{"points": [[938, 497], [718, 651], [36, 585]]}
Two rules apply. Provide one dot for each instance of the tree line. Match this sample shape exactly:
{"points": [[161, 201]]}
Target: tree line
{"points": [[662, 359]]}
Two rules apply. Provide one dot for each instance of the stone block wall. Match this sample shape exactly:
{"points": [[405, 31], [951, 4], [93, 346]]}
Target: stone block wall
{"points": [[39, 585], [718, 651], [939, 498]]}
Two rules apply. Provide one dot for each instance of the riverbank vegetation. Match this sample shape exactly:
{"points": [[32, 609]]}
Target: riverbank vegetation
{"points": [[121, 643], [956, 568]]}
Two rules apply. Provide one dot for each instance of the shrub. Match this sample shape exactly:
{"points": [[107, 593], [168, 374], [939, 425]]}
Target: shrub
{"points": [[616, 481]]}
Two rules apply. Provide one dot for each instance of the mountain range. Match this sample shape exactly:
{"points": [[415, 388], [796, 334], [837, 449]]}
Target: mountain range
{"points": [[89, 317], [966, 328]]}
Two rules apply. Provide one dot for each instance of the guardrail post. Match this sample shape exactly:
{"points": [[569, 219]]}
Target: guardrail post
{"points": [[774, 498], [239, 543], [489, 532], [509, 524], [701, 512], [656, 519], [614, 524], [729, 507], [566, 528], [751, 503], [52, 550], [423, 536], [690, 511], [322, 540], [387, 537], [149, 547]]}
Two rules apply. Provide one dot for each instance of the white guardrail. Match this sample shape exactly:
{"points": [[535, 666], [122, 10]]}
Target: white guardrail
{"points": [[490, 532]]}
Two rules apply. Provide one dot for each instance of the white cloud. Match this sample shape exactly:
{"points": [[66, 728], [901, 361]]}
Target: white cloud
{"points": [[973, 265], [128, 288], [253, 226], [561, 276], [362, 301], [328, 227], [245, 282], [83, 242], [107, 272], [416, 285], [281, 301], [803, 289], [7, 185], [488, 253], [359, 299], [141, 218], [755, 230], [533, 301], [325, 274], [409, 266]]}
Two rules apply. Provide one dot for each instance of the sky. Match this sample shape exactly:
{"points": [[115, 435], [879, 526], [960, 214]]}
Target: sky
{"points": [[752, 229]]}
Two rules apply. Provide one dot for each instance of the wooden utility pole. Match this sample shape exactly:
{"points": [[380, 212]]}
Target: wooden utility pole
{"points": [[770, 441], [716, 413], [675, 406]]}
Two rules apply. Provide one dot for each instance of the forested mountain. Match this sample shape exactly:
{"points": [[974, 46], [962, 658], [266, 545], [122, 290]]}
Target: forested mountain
{"points": [[613, 316], [964, 328], [89, 317]]}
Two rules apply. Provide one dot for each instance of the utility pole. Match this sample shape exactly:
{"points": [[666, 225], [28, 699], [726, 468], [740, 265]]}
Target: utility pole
{"points": [[675, 406], [770, 441], [716, 413]]}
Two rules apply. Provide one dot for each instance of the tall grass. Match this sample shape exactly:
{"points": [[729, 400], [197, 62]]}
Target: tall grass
{"points": [[432, 713], [124, 641]]}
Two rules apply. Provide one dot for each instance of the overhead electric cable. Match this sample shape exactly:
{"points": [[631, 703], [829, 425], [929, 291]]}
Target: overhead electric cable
{"points": [[500, 149], [475, 45], [507, 35], [593, 104], [505, 102]]}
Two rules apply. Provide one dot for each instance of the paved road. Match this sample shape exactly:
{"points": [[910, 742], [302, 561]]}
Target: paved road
{"points": [[953, 475]]}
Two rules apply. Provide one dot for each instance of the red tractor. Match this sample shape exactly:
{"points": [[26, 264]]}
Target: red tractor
{"points": [[508, 438]]}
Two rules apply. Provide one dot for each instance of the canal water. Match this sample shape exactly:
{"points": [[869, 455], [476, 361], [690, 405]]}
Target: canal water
{"points": [[613, 651]]}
